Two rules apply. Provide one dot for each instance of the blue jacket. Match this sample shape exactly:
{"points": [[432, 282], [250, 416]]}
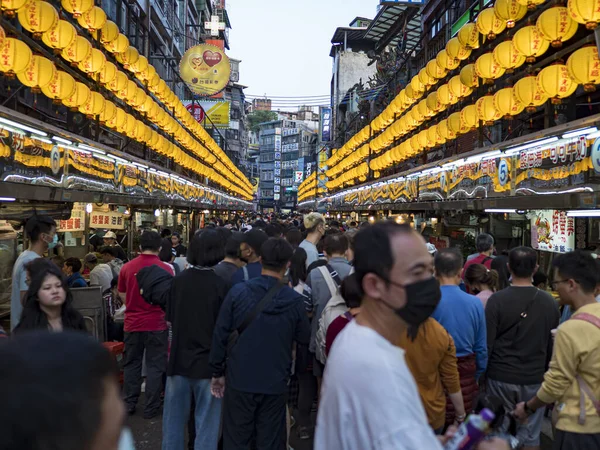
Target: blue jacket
{"points": [[261, 359], [254, 270], [76, 281], [463, 316]]}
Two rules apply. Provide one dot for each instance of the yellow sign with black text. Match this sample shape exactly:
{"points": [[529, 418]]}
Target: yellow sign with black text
{"points": [[205, 69]]}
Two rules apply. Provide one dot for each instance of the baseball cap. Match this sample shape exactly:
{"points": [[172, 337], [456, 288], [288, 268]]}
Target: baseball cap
{"points": [[110, 235], [91, 258], [431, 248]]}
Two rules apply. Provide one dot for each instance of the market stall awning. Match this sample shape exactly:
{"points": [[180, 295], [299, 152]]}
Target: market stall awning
{"points": [[396, 23]]}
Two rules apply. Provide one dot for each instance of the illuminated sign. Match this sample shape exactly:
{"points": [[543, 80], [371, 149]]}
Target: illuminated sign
{"points": [[205, 69], [553, 231]]}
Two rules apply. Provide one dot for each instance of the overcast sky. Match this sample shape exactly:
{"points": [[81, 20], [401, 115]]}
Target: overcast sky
{"points": [[284, 44]]}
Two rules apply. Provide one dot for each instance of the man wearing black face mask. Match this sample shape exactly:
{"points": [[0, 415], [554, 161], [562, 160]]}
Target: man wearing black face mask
{"points": [[367, 381]]}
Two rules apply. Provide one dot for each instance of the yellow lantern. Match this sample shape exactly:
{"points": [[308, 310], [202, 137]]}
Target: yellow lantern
{"points": [[423, 140], [138, 98], [77, 7], [509, 11], [9, 7], [456, 125], [487, 68], [417, 86], [117, 120], [108, 113], [530, 43], [489, 24], [584, 67], [140, 65], [445, 97], [118, 45], [60, 87], [486, 111], [39, 73], [94, 62], [586, 12], [456, 50], [528, 93], [411, 94], [130, 126], [15, 56], [506, 103], [77, 51], [433, 136], [108, 73], [416, 114], [37, 17], [424, 109], [556, 26], [507, 56], [109, 32], [93, 106], [556, 83], [435, 71], [128, 91], [531, 4], [128, 57], [425, 79], [445, 62], [93, 19], [80, 95], [457, 88], [61, 35], [118, 83], [469, 117], [444, 130], [147, 75], [469, 76], [468, 36]]}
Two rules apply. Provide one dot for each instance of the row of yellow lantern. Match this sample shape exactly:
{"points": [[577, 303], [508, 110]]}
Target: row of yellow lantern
{"points": [[308, 183], [356, 140], [554, 25]]}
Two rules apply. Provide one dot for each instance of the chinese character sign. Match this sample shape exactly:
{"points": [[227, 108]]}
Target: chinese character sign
{"points": [[325, 124], [205, 69], [553, 231]]}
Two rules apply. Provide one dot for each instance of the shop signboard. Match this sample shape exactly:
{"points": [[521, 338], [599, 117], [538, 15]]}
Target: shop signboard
{"points": [[89, 171], [159, 184], [27, 160], [556, 166], [552, 231], [74, 223], [480, 179], [325, 124], [398, 191], [133, 179], [206, 69], [433, 185], [217, 112], [298, 176], [109, 220]]}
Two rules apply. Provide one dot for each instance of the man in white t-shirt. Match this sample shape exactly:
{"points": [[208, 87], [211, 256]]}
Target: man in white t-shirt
{"points": [[369, 397]]}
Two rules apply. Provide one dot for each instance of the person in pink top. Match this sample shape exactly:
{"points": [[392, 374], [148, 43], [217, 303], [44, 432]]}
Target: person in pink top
{"points": [[481, 281]]}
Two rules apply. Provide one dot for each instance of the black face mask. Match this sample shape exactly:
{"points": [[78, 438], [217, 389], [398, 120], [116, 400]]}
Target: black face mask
{"points": [[422, 298]]}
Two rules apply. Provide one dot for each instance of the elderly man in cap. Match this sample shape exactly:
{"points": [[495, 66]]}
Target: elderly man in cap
{"points": [[110, 240], [100, 274]]}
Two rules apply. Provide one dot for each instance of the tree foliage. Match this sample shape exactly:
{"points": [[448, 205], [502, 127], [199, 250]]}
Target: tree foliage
{"points": [[257, 117]]}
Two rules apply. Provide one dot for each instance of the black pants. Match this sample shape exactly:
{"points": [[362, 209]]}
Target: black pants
{"points": [[565, 440], [306, 396], [246, 414], [155, 343]]}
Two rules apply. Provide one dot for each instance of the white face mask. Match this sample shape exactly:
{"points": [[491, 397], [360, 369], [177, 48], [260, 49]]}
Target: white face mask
{"points": [[126, 440]]}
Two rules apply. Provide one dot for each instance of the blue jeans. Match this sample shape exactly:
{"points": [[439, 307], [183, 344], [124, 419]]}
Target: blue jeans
{"points": [[178, 397]]}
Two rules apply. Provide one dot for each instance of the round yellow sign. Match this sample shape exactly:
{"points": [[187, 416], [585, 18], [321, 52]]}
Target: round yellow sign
{"points": [[205, 69]]}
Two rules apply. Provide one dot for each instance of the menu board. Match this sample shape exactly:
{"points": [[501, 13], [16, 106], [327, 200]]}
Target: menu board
{"points": [[552, 231]]}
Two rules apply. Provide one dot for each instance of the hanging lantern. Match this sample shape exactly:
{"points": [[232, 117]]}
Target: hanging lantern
{"points": [[530, 43], [586, 12], [118, 45], [60, 87], [77, 51], [77, 7], [80, 95], [416, 115], [506, 103], [456, 50], [128, 57], [109, 32], [147, 74], [487, 68], [93, 19], [116, 123], [468, 36], [507, 56], [15, 56], [139, 98], [93, 106], [118, 83], [445, 62], [456, 125], [584, 67], [444, 130], [433, 136], [486, 111], [510, 11], [60, 36], [489, 24], [435, 71], [93, 63], [108, 113], [130, 126], [469, 76], [469, 118], [37, 17], [433, 103], [39, 73], [556, 26], [417, 88], [423, 140], [424, 109], [528, 93], [140, 65], [457, 88], [425, 78], [531, 4], [10, 7], [445, 97], [108, 73], [556, 83]]}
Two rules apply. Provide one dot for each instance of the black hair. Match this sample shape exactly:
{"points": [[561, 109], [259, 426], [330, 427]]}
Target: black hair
{"points": [[373, 250], [224, 235], [499, 264], [150, 241], [298, 270], [58, 260], [165, 254], [353, 223], [165, 233], [494, 404], [108, 250], [334, 224], [351, 291], [67, 374], [33, 318], [274, 230], [38, 225], [114, 282], [580, 266], [232, 246], [260, 224], [539, 278], [484, 242], [206, 249], [336, 244], [448, 262], [293, 236], [276, 253], [255, 238], [522, 262], [73, 263]]}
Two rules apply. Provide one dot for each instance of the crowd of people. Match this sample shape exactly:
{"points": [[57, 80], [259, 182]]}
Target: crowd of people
{"points": [[391, 341]]}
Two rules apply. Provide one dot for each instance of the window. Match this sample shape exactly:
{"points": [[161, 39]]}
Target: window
{"points": [[266, 175], [266, 192], [234, 135], [236, 114], [267, 157]]}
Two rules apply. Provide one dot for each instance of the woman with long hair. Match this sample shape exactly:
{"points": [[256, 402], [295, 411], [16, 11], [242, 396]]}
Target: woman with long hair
{"points": [[481, 281], [48, 302]]}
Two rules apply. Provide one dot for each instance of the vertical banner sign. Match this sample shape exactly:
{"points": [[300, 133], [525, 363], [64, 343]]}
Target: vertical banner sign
{"points": [[325, 124], [277, 180]]}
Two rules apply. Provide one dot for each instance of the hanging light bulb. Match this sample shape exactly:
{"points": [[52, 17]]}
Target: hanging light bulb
{"points": [[89, 208]]}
